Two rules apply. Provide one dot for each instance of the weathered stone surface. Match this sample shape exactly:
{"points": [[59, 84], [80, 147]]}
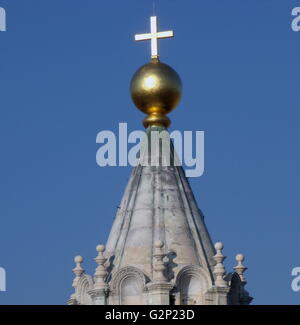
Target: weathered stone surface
{"points": [[159, 250], [158, 204]]}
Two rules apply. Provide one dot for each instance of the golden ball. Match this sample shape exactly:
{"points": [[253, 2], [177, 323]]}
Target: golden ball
{"points": [[156, 88]]}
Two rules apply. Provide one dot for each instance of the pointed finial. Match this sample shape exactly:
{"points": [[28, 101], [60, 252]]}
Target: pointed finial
{"points": [[159, 266], [101, 273], [219, 270], [240, 268]]}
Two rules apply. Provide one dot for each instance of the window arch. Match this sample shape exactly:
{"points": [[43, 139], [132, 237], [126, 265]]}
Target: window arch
{"points": [[127, 286], [131, 291], [192, 282], [190, 290], [85, 284]]}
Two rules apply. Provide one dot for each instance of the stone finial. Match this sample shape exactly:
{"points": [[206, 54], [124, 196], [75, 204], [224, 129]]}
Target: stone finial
{"points": [[78, 271], [101, 271], [219, 270], [159, 266], [240, 268]]}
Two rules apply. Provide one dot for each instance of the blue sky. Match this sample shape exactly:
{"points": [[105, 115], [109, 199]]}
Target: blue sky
{"points": [[65, 68]]}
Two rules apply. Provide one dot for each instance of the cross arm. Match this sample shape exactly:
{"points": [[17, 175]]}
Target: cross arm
{"points": [[166, 34], [142, 37]]}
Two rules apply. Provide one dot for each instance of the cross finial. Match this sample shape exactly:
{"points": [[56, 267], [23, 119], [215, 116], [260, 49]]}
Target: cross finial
{"points": [[154, 36]]}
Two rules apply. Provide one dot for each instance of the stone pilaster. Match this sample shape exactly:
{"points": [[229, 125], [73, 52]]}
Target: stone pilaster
{"points": [[159, 293], [217, 296], [99, 296]]}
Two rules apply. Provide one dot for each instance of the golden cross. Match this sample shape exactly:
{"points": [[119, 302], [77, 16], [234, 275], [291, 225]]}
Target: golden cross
{"points": [[154, 36]]}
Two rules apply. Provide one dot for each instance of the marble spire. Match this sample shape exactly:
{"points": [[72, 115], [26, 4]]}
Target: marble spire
{"points": [[159, 251]]}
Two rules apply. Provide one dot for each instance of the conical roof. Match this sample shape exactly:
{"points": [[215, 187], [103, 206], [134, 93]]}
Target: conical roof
{"points": [[158, 204]]}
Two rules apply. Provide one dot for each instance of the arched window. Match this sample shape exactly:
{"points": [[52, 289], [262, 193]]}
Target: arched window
{"points": [[131, 290], [190, 290]]}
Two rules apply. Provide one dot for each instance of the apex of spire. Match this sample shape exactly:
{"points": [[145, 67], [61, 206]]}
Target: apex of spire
{"points": [[155, 88]]}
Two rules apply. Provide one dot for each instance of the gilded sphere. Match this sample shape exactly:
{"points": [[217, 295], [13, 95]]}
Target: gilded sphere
{"points": [[156, 88]]}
